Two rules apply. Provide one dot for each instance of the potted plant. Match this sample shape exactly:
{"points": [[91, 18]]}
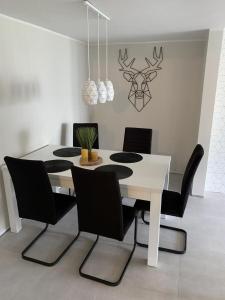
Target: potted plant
{"points": [[86, 137]]}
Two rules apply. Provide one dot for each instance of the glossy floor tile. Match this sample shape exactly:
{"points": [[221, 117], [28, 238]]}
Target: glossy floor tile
{"points": [[197, 275]]}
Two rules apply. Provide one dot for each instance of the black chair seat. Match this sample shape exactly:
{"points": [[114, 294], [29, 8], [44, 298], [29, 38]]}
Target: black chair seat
{"points": [[63, 204], [171, 201], [128, 217]]}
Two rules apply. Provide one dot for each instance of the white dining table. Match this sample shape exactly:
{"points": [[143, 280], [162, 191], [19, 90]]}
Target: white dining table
{"points": [[150, 176]]}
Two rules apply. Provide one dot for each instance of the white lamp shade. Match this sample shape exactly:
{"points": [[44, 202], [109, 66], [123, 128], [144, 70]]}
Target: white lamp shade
{"points": [[102, 92], [90, 92], [110, 90]]}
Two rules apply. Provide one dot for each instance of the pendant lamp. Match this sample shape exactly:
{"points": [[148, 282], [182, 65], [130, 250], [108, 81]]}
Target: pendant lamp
{"points": [[89, 92], [108, 83], [102, 92]]}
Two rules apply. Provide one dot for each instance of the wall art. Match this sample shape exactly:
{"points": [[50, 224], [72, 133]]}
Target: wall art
{"points": [[139, 94]]}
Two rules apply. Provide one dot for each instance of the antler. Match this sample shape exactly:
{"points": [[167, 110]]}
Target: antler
{"points": [[122, 61], [158, 59]]}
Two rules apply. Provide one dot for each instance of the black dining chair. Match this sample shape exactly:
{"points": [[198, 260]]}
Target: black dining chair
{"points": [[173, 203], [137, 140], [100, 211], [35, 199], [78, 125]]}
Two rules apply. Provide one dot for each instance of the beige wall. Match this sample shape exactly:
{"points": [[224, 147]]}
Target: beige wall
{"points": [[174, 110], [41, 75]]}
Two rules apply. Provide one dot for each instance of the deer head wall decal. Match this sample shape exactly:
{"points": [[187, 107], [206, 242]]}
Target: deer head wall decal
{"points": [[139, 94]]}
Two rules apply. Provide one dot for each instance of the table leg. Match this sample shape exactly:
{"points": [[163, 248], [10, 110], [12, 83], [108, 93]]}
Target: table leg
{"points": [[166, 186], [154, 229], [14, 219]]}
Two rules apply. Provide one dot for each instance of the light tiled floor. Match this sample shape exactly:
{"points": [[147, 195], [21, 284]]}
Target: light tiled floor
{"points": [[197, 275]]}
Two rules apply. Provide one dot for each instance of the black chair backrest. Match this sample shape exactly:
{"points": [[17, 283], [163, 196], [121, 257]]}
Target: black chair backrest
{"points": [[77, 125], [137, 140], [98, 202], [33, 189], [189, 174]]}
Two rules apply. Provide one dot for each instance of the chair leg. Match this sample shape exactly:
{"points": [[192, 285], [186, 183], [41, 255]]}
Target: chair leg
{"points": [[143, 217], [185, 240], [48, 264], [167, 249], [115, 283]]}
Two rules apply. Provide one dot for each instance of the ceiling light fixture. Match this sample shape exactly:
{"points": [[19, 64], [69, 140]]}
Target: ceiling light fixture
{"points": [[90, 92], [86, 2], [101, 92], [108, 83]]}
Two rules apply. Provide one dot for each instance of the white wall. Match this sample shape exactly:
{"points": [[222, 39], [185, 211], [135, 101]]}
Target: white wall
{"points": [[207, 109], [174, 110], [41, 75], [215, 178]]}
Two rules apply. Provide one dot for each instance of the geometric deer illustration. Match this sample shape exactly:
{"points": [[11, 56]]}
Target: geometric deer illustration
{"points": [[139, 94]]}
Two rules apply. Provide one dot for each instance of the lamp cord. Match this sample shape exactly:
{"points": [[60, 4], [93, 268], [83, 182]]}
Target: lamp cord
{"points": [[88, 34], [98, 52], [106, 49]]}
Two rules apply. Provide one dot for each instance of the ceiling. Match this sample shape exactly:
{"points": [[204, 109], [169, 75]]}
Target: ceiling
{"points": [[131, 20]]}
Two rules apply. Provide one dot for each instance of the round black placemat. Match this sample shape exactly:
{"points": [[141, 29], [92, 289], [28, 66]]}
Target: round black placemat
{"points": [[126, 157], [67, 152], [57, 165], [121, 171]]}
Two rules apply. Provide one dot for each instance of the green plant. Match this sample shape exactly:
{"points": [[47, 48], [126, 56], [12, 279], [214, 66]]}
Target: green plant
{"points": [[86, 137]]}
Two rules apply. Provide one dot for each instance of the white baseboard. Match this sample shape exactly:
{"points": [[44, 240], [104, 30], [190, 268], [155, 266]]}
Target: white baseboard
{"points": [[3, 231]]}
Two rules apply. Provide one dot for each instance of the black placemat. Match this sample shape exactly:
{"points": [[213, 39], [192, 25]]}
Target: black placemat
{"points": [[57, 165], [121, 171], [126, 157], [67, 152]]}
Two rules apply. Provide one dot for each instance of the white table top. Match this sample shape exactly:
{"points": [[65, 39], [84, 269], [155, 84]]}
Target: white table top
{"points": [[149, 173]]}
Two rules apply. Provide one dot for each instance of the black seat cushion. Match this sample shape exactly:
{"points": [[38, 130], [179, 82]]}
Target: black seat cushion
{"points": [[63, 204], [171, 204], [128, 217]]}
